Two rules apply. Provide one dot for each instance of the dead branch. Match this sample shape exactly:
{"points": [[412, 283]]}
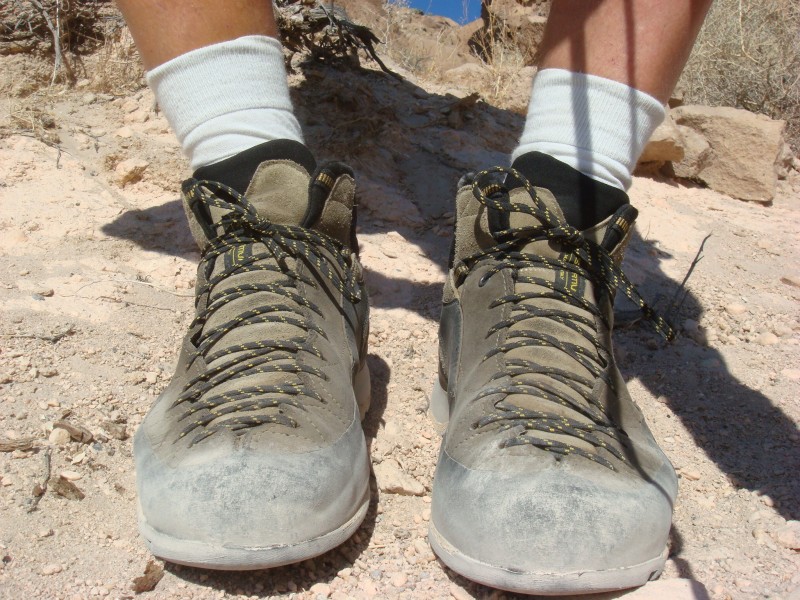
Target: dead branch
{"points": [[55, 32], [675, 306], [324, 31]]}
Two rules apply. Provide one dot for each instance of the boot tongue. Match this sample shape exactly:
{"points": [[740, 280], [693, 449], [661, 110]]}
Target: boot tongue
{"points": [[279, 192], [273, 176], [281, 180], [518, 219], [480, 228]]}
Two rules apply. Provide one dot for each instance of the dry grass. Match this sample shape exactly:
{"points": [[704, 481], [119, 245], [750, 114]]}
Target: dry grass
{"points": [[501, 53], [115, 67], [748, 56]]}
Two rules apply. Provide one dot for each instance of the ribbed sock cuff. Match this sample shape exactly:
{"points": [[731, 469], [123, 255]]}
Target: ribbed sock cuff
{"points": [[225, 98], [596, 125]]}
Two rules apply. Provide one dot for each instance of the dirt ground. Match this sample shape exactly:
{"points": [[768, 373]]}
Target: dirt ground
{"points": [[96, 282]]}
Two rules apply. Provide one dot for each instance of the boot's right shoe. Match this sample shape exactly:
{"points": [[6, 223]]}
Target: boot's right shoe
{"points": [[254, 455], [548, 481]]}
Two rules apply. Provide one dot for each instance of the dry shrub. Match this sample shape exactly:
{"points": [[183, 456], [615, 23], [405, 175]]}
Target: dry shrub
{"points": [[413, 57], [63, 29], [748, 56], [114, 67]]}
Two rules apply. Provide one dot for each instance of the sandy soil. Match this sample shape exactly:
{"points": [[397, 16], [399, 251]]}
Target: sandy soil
{"points": [[96, 287]]}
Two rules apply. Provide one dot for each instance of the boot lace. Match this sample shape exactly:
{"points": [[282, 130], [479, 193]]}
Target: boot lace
{"points": [[238, 409], [585, 259]]}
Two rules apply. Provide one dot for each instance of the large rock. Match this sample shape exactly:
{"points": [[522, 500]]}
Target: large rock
{"points": [[696, 154], [426, 44], [742, 150], [665, 145]]}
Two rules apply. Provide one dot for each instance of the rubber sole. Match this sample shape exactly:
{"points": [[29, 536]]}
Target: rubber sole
{"points": [[439, 406], [544, 583], [239, 558]]}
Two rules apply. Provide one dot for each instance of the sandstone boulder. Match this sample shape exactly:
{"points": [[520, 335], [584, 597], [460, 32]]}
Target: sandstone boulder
{"points": [[469, 75], [742, 150], [696, 154], [665, 145]]}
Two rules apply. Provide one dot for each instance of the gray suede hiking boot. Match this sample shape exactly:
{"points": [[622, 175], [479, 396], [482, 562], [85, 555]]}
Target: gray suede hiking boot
{"points": [[548, 480], [254, 455]]}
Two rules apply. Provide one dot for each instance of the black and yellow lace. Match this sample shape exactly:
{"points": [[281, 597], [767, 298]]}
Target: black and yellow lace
{"points": [[583, 258], [241, 225]]}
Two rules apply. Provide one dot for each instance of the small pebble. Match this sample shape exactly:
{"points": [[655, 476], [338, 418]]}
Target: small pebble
{"points": [[51, 569], [459, 593], [320, 589], [368, 588], [767, 338], [735, 309], [70, 475], [399, 579], [58, 437], [792, 280], [690, 474], [788, 536], [423, 550]]}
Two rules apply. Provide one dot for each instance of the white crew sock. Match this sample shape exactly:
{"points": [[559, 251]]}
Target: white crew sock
{"points": [[597, 126], [226, 98]]}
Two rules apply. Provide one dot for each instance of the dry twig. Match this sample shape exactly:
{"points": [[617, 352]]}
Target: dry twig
{"points": [[675, 306], [40, 488]]}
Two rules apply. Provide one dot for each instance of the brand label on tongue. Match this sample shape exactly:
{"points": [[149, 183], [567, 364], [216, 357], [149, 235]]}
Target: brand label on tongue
{"points": [[238, 255], [569, 281]]}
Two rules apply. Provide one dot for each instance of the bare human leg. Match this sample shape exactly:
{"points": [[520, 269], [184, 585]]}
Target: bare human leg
{"points": [[607, 68], [164, 30]]}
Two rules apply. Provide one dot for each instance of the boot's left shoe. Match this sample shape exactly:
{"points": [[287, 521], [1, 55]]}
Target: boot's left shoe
{"points": [[548, 480], [254, 456]]}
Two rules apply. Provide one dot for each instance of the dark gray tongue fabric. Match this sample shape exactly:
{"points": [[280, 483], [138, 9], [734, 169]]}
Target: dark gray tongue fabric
{"points": [[274, 176], [584, 201], [237, 171]]}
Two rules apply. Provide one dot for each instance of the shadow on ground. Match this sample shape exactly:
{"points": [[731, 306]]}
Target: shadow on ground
{"points": [[739, 428]]}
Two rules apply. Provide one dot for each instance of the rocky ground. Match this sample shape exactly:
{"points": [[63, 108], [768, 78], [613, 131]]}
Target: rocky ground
{"points": [[96, 284]]}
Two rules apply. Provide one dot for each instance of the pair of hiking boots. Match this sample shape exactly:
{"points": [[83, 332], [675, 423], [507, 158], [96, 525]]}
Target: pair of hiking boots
{"points": [[548, 479]]}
